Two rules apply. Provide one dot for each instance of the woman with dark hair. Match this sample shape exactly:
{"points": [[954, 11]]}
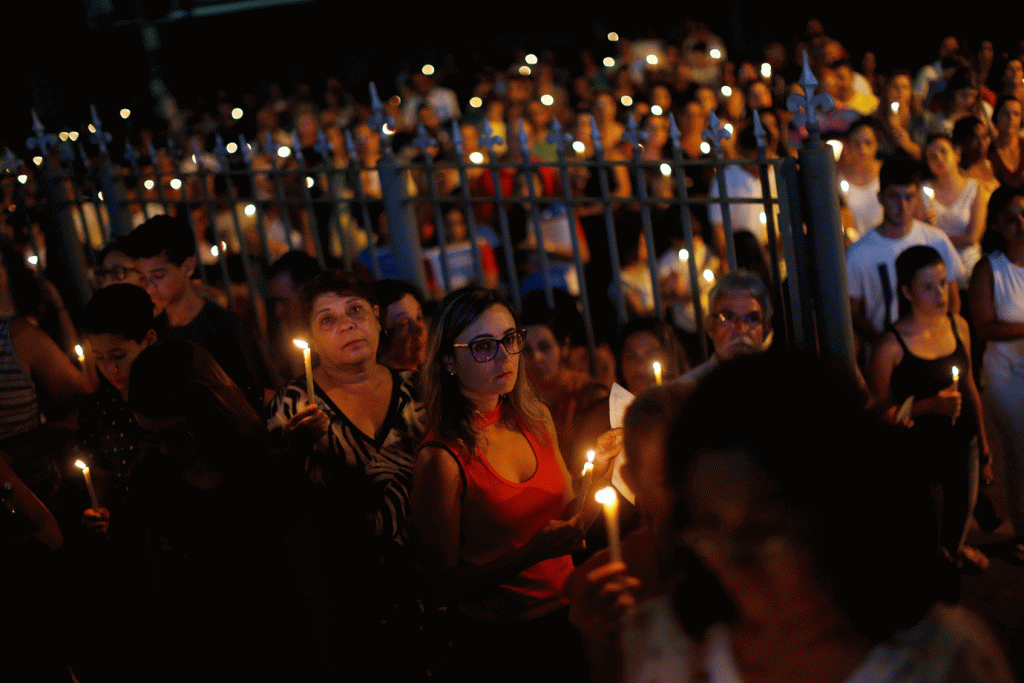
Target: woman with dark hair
{"points": [[642, 342], [958, 202], [859, 171], [405, 330], [915, 360], [900, 117], [772, 523], [996, 297], [973, 139], [491, 498], [1005, 152], [356, 438]]}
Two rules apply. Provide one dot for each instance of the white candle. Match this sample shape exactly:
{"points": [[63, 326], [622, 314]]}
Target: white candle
{"points": [[588, 476], [610, 501], [657, 372], [88, 484], [308, 360], [956, 383]]}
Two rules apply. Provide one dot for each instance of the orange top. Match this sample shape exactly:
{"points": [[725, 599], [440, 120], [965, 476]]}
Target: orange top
{"points": [[499, 515]]}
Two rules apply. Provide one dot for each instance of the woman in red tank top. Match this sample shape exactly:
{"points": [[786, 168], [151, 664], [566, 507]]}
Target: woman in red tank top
{"points": [[491, 497]]}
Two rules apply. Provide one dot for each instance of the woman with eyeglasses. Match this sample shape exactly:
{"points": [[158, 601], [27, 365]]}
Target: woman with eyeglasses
{"points": [[356, 438], [493, 501]]}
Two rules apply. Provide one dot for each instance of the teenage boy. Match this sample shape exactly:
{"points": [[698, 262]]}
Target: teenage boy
{"points": [[165, 253], [871, 260]]}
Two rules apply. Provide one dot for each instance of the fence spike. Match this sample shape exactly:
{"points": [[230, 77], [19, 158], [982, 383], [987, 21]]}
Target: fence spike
{"points": [[524, 141], [805, 106], [423, 140], [130, 152], [489, 139], [460, 148], [595, 135], [41, 141], [715, 132], [151, 150], [297, 148], [350, 142], [175, 151], [220, 151], [759, 131], [243, 147], [197, 152], [99, 136], [557, 136], [269, 146], [323, 146], [633, 134]]}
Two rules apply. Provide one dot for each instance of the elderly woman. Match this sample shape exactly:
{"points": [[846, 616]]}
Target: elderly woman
{"points": [[356, 437], [493, 498]]}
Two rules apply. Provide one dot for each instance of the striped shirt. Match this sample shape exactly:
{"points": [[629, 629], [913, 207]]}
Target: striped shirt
{"points": [[19, 405]]}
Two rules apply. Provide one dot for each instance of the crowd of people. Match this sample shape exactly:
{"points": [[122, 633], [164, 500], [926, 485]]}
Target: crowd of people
{"points": [[365, 480]]}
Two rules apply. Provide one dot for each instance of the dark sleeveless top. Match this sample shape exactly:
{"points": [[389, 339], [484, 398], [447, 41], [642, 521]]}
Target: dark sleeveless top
{"points": [[925, 378]]}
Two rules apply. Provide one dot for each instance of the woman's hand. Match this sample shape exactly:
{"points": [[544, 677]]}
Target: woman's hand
{"points": [[556, 538], [609, 446], [96, 520], [308, 428], [600, 592], [946, 402]]}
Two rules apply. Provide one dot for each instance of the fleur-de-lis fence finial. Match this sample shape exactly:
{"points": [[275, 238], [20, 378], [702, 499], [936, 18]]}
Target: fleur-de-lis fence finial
{"points": [[41, 141], [557, 136], [488, 140], [634, 135], [805, 107], [715, 133], [379, 119], [424, 141], [759, 131], [99, 136]]}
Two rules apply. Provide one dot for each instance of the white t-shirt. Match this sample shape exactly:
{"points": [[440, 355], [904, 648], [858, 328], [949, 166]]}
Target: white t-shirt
{"points": [[866, 254], [862, 201], [949, 644], [739, 184]]}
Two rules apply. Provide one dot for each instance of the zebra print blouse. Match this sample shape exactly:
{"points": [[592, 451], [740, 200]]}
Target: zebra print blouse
{"points": [[370, 476]]}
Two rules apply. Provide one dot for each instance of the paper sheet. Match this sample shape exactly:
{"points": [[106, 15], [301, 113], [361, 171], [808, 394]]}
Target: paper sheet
{"points": [[618, 400]]}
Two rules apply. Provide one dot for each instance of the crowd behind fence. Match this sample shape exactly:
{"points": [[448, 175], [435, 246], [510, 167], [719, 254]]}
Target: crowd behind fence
{"points": [[248, 202]]}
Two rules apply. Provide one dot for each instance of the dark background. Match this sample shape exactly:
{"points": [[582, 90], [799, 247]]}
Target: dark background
{"points": [[63, 56]]}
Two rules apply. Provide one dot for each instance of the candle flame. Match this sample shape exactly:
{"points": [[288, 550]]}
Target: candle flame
{"points": [[895, 107], [657, 367], [81, 465], [956, 373], [300, 343], [79, 352], [606, 496], [591, 454]]}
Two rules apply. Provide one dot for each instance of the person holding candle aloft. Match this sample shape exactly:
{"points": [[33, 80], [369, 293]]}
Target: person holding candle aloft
{"points": [[356, 439], [916, 358], [492, 498]]}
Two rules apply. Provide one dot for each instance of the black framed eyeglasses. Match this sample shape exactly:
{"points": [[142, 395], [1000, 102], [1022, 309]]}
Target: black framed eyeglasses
{"points": [[484, 350]]}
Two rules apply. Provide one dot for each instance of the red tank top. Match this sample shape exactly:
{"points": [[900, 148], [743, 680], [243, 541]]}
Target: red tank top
{"points": [[499, 515]]}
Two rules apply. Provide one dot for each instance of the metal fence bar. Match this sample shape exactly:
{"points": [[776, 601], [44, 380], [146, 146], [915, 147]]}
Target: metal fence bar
{"points": [[764, 168], [313, 232], [355, 166], [684, 213], [714, 135], [560, 139], [261, 228], [425, 142], [609, 223], [460, 160], [488, 140], [222, 258], [527, 169], [635, 137]]}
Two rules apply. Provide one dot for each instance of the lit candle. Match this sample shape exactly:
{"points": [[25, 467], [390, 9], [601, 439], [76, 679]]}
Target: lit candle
{"points": [[588, 475], [657, 372], [80, 352], [308, 360], [88, 484], [610, 501], [956, 384], [895, 107]]}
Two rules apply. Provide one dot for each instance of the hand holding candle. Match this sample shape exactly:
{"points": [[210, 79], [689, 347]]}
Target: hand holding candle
{"points": [[609, 500], [308, 360], [588, 476]]}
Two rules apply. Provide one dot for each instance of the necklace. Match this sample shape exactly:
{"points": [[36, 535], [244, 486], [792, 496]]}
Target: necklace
{"points": [[481, 420]]}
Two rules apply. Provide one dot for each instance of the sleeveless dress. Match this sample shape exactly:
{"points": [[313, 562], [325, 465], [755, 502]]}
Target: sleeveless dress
{"points": [[942, 448], [499, 515]]}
